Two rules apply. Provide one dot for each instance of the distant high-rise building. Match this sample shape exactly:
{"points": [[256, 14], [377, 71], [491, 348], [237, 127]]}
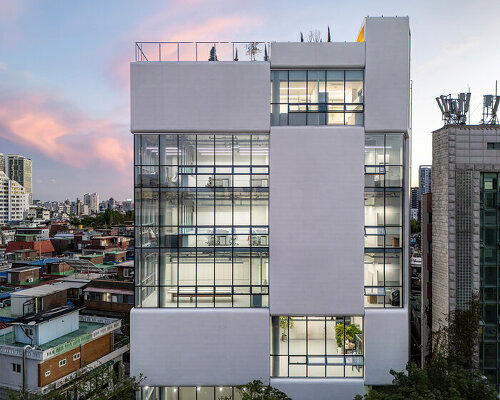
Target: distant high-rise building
{"points": [[414, 202], [92, 200], [2, 163], [414, 197], [425, 179], [13, 200], [20, 170]]}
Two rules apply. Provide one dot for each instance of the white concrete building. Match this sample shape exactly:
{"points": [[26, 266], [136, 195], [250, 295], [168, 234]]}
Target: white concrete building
{"points": [[92, 201], [274, 245], [14, 201]]}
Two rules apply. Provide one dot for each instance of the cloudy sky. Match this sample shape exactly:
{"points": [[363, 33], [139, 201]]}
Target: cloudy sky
{"points": [[64, 91]]}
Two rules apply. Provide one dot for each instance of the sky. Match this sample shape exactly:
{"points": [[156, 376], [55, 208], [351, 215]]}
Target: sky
{"points": [[64, 70]]}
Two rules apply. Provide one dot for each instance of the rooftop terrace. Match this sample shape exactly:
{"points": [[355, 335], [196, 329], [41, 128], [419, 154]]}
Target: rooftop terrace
{"points": [[202, 51]]}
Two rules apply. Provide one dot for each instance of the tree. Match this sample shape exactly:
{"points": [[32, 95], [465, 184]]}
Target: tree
{"points": [[415, 226], [329, 39], [301, 37], [213, 54], [256, 390], [253, 50], [314, 36], [98, 384], [451, 371]]}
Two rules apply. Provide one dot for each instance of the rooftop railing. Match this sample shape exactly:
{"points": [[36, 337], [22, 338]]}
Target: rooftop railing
{"points": [[202, 51]]}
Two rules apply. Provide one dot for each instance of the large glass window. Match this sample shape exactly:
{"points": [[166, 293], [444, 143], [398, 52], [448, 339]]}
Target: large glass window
{"points": [[489, 274], [383, 217], [317, 97], [317, 347], [189, 393], [202, 225]]}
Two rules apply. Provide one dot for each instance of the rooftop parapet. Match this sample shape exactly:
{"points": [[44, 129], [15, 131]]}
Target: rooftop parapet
{"points": [[202, 51]]}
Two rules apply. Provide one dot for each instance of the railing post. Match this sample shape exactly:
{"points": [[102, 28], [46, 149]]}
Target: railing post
{"points": [[159, 51], [233, 52], [178, 45], [196, 50]]}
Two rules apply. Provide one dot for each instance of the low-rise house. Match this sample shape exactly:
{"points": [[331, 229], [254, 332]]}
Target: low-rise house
{"points": [[26, 274], [44, 297], [48, 350], [109, 297]]}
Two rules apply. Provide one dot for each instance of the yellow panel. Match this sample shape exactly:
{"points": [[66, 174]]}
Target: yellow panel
{"points": [[361, 35]]}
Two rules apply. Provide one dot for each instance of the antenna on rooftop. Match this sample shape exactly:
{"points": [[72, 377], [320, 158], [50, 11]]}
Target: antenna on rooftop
{"points": [[490, 108], [454, 111]]}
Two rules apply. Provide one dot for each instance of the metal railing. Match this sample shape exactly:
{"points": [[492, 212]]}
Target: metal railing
{"points": [[202, 51]]}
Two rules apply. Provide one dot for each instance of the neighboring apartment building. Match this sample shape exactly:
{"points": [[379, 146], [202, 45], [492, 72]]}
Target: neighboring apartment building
{"points": [[252, 229], [92, 200], [414, 202], [466, 231], [424, 179], [20, 170], [14, 200], [2, 163], [57, 346]]}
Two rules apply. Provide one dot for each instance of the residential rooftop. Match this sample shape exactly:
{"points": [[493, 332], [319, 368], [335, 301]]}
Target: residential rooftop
{"points": [[84, 330]]}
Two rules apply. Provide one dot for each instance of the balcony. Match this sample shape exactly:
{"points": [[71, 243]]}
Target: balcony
{"points": [[202, 51]]}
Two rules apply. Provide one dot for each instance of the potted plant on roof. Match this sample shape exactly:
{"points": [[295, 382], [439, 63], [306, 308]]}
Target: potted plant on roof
{"points": [[285, 323]]}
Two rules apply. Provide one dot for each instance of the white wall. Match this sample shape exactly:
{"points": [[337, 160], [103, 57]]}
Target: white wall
{"points": [[58, 327], [316, 216], [14, 380], [317, 55], [319, 389], [386, 344], [200, 96], [387, 74], [190, 347]]}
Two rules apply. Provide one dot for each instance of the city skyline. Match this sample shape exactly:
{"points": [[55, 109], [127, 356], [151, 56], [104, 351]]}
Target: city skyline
{"points": [[69, 112]]}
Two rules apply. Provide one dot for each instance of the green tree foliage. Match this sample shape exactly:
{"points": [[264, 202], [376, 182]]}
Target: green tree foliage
{"points": [[451, 371], [105, 219], [256, 390], [415, 226], [98, 384]]}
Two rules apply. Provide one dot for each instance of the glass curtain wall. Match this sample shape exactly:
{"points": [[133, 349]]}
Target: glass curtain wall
{"points": [[316, 347], [383, 220], [189, 393], [489, 263], [317, 97], [201, 220]]}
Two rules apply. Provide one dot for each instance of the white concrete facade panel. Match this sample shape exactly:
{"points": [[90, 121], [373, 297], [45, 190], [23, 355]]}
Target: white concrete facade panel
{"points": [[316, 220], [317, 55], [387, 74], [199, 346], [386, 344], [323, 389], [200, 96]]}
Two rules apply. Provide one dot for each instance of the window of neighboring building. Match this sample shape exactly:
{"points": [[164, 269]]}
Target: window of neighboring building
{"points": [[317, 347], [493, 146], [76, 356], [16, 368], [62, 362], [47, 373], [317, 97]]}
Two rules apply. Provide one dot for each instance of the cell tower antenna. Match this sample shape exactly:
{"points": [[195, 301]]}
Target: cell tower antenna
{"points": [[454, 111], [490, 107]]}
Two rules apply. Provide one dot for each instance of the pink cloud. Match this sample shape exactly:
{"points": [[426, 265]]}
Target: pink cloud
{"points": [[216, 28], [66, 136]]}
